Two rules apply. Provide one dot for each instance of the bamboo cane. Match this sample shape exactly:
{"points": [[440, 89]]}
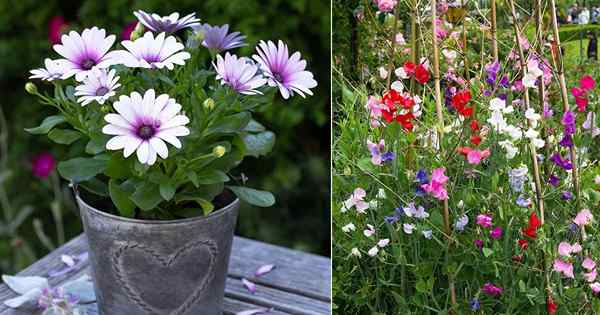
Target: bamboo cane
{"points": [[493, 32], [536, 169], [565, 99], [541, 84], [440, 115]]}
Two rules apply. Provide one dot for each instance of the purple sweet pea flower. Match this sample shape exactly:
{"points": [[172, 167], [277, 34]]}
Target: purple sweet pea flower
{"points": [[168, 24], [548, 112], [284, 71], [566, 195], [523, 202], [478, 243], [566, 141], [558, 160], [377, 155], [554, 180], [568, 121], [475, 304], [491, 290]]}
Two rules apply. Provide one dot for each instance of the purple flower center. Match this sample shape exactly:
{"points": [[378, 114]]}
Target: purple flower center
{"points": [[278, 77], [87, 64], [102, 91], [146, 131]]}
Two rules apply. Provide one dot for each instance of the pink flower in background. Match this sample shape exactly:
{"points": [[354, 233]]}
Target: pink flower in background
{"points": [[56, 27], [590, 276], [43, 164], [491, 289], [127, 30], [496, 233], [437, 185], [484, 220], [474, 156], [587, 82], [564, 267], [386, 5], [595, 287], [584, 217], [566, 249], [357, 200], [588, 264]]}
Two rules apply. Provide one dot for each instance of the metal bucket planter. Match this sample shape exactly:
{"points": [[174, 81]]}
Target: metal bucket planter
{"points": [[174, 267]]}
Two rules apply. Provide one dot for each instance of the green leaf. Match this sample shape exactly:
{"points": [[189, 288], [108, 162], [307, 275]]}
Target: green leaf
{"points": [[120, 197], [118, 167], [64, 136], [259, 144], [487, 252], [147, 196], [96, 145], [95, 186], [167, 190], [208, 177], [46, 125], [81, 169], [230, 124], [254, 197]]}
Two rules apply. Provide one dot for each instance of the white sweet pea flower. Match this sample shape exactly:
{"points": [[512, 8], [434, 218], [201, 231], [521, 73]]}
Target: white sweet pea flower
{"points": [[369, 231], [355, 252], [383, 73], [381, 194], [373, 251], [349, 227], [401, 73], [383, 242]]}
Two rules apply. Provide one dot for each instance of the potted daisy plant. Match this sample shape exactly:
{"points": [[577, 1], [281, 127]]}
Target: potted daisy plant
{"points": [[155, 129]]}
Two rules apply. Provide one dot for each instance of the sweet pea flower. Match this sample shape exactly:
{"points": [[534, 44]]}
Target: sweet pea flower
{"points": [[588, 264], [355, 252], [590, 124], [564, 267], [357, 200], [595, 287], [386, 5], [369, 231], [428, 234], [584, 217], [590, 276], [484, 221], [408, 228], [373, 251], [491, 290], [437, 186], [565, 249], [378, 156], [496, 233], [460, 224], [348, 227], [478, 243], [383, 242], [474, 156], [414, 211]]}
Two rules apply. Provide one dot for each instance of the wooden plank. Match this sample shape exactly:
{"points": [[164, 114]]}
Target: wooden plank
{"points": [[297, 272], [297, 286]]}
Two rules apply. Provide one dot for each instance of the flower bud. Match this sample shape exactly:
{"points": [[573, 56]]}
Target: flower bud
{"points": [[209, 104], [105, 108], [138, 31], [31, 88], [219, 151]]}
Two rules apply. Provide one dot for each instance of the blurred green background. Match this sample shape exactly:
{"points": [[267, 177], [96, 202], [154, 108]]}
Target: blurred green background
{"points": [[38, 213]]}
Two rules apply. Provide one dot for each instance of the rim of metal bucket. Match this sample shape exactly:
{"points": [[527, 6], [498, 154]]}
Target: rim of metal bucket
{"points": [[214, 214]]}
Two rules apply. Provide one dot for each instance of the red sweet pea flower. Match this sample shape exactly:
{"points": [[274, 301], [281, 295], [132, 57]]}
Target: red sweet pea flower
{"points": [[460, 100], [523, 243], [421, 74], [551, 305], [581, 103], [474, 125], [534, 224], [393, 98], [409, 67], [587, 82], [475, 140]]}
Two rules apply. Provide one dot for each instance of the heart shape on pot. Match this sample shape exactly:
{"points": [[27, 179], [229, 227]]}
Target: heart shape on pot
{"points": [[165, 284]]}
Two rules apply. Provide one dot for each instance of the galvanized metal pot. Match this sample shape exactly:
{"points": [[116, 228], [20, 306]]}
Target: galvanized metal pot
{"points": [[144, 267]]}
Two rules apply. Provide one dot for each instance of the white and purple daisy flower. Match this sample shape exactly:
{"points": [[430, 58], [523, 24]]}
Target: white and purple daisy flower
{"points": [[170, 24], [216, 38], [99, 85], [241, 74], [150, 52], [285, 72], [86, 51], [54, 70], [144, 124]]}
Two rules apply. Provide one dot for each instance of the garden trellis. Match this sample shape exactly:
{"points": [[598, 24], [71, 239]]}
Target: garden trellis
{"points": [[469, 180]]}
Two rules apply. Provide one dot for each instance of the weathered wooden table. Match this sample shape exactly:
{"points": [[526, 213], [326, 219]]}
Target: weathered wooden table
{"points": [[300, 284]]}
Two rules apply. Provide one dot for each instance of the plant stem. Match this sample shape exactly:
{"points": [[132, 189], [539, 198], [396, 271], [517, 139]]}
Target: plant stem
{"points": [[393, 49], [464, 41], [565, 99], [440, 115], [494, 32]]}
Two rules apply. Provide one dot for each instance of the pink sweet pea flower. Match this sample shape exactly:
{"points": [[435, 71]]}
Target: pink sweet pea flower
{"points": [[564, 267], [584, 217], [484, 220], [587, 82], [496, 233], [588, 264], [491, 289], [42, 165], [386, 5], [595, 287], [566, 249], [474, 156], [590, 276], [437, 185], [356, 200], [56, 27]]}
